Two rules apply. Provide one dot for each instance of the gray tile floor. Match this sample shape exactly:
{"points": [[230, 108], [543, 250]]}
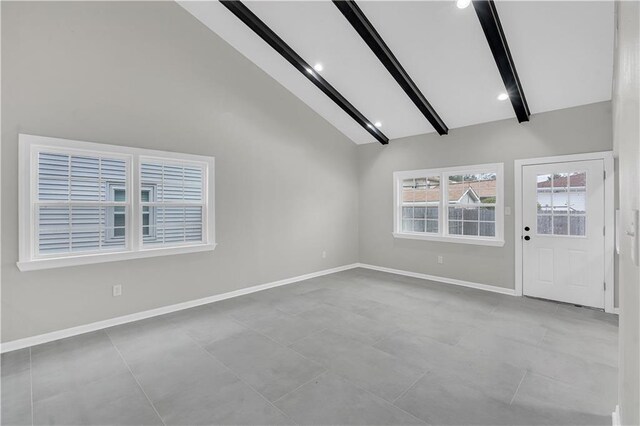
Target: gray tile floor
{"points": [[357, 347]]}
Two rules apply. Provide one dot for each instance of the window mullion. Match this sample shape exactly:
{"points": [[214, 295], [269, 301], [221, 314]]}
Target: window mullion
{"points": [[444, 200], [133, 208]]}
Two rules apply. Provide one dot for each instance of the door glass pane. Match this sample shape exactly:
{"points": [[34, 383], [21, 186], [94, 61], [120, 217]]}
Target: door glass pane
{"points": [[578, 201], [560, 225], [577, 226], [561, 203], [544, 225]]}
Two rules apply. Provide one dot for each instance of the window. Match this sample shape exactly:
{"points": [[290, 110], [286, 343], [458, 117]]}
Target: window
{"points": [[562, 199], [461, 204], [83, 202]]}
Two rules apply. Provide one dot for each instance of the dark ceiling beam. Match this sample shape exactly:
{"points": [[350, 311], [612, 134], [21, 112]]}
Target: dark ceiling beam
{"points": [[261, 29], [490, 21], [361, 24]]}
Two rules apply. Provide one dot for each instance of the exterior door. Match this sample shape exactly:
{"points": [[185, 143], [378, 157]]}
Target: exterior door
{"points": [[563, 232]]}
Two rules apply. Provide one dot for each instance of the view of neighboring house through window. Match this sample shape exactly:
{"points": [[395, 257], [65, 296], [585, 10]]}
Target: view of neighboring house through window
{"points": [[76, 199], [460, 204], [420, 200], [472, 201]]}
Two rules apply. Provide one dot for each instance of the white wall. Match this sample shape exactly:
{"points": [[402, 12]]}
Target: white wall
{"points": [[567, 131], [148, 74], [626, 135]]}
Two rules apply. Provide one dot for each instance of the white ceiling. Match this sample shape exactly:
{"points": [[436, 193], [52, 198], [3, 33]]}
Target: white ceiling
{"points": [[563, 51]]}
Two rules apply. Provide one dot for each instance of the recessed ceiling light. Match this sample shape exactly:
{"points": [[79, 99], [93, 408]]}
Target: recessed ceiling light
{"points": [[463, 3], [377, 124], [503, 97], [318, 67]]}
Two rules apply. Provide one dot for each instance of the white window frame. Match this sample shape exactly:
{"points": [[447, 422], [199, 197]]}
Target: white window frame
{"points": [[31, 145], [443, 207]]}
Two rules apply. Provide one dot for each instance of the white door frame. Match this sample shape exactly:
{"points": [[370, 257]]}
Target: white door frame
{"points": [[609, 212]]}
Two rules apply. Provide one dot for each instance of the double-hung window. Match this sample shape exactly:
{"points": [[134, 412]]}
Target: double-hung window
{"points": [[456, 204], [83, 202]]}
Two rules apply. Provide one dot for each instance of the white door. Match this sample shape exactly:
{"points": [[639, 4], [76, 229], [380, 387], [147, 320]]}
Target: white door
{"points": [[563, 232]]}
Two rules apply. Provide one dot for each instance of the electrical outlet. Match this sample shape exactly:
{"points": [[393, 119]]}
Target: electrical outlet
{"points": [[440, 260], [324, 254], [117, 290]]}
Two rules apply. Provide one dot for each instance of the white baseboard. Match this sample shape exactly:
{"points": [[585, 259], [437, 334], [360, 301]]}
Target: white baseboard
{"points": [[99, 325], [615, 417], [495, 289]]}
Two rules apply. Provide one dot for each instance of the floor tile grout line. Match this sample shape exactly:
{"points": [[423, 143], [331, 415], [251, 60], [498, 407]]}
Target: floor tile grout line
{"points": [[240, 378], [518, 388], [378, 397], [135, 379], [31, 387], [278, 343], [404, 392], [546, 330], [325, 371], [289, 345]]}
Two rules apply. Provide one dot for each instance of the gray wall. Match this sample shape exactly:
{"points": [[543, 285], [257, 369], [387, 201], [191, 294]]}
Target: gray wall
{"points": [[150, 75], [626, 135], [568, 131]]}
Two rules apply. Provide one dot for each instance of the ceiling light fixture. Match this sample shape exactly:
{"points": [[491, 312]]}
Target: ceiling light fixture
{"points": [[377, 124], [318, 67], [309, 70], [503, 97], [462, 4]]}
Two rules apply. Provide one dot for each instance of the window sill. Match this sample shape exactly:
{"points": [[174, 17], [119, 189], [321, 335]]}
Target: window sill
{"points": [[449, 239], [61, 262]]}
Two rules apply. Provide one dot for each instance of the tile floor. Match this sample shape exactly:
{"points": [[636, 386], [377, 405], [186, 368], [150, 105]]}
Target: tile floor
{"points": [[357, 347]]}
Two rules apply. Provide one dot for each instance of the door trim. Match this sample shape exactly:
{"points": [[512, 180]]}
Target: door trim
{"points": [[609, 213]]}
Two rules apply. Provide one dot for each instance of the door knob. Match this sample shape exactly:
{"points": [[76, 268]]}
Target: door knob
{"points": [[527, 238]]}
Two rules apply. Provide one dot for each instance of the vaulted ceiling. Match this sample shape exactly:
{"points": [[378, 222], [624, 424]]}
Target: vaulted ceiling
{"points": [[562, 50]]}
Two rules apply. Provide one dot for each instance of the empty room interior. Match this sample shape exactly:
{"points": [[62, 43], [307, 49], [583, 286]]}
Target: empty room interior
{"points": [[346, 212]]}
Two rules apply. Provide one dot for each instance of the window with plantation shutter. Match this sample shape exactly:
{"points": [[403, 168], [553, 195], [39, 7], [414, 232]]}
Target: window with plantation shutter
{"points": [[76, 207], [173, 209], [83, 202]]}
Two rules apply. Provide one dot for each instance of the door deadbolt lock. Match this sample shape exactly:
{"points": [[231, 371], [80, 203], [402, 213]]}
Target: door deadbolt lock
{"points": [[526, 228]]}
